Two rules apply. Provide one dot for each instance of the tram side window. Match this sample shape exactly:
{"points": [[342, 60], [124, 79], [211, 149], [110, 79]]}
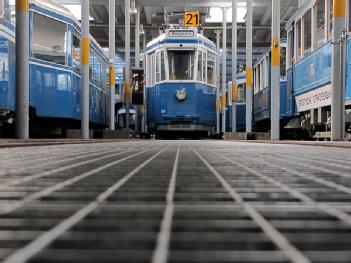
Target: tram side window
{"points": [[181, 64], [158, 67], [153, 68], [307, 19], [163, 69], [148, 70], [255, 80], [290, 48], [4, 66], [76, 51], [96, 68], [242, 93], [283, 62], [320, 22], [49, 39], [199, 66], [266, 73], [258, 72], [211, 63], [298, 37]]}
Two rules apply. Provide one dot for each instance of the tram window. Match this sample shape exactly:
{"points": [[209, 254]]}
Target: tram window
{"points": [[204, 67], [262, 76], [76, 51], [181, 64], [62, 82], [200, 66], [96, 68], [255, 80], [211, 74], [283, 62], [153, 69], [320, 22], [163, 70], [307, 19], [158, 67], [49, 39], [149, 70], [298, 36], [4, 66], [242, 93], [266, 73], [258, 72], [290, 48]]}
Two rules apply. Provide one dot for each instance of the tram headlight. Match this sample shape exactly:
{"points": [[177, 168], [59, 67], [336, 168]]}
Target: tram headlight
{"points": [[181, 94]]}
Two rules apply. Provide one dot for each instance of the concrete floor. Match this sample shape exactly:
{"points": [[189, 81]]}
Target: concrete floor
{"points": [[175, 201]]}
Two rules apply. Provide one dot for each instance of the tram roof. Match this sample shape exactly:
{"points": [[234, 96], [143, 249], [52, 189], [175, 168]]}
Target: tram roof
{"points": [[195, 38]]}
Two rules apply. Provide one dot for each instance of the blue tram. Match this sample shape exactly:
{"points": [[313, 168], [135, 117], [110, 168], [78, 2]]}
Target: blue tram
{"points": [[181, 83], [55, 93], [309, 68], [305, 84], [262, 91], [240, 105]]}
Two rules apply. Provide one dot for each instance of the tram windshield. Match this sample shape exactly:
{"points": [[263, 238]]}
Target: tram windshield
{"points": [[181, 64]]}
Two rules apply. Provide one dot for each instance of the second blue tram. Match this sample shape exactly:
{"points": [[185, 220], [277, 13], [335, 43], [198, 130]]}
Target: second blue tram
{"points": [[181, 83], [262, 91]]}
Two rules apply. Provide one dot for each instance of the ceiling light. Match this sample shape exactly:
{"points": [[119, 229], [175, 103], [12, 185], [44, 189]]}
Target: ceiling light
{"points": [[133, 9]]}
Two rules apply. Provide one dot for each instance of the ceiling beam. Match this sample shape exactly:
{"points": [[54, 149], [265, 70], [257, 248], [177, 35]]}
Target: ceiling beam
{"points": [[182, 3]]}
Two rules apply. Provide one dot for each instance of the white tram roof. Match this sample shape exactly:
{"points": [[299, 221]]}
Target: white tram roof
{"points": [[62, 11], [50, 5], [180, 36]]}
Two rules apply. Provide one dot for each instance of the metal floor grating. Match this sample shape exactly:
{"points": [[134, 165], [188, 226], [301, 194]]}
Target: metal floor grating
{"points": [[175, 202]]}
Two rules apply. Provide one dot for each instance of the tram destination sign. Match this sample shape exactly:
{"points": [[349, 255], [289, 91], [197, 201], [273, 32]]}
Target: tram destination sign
{"points": [[181, 33], [314, 99]]}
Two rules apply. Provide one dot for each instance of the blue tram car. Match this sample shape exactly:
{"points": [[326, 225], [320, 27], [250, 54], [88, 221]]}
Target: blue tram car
{"points": [[240, 104], [55, 92], [309, 69], [181, 83], [262, 91]]}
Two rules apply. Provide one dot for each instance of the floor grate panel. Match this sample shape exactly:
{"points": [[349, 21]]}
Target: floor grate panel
{"points": [[164, 201]]}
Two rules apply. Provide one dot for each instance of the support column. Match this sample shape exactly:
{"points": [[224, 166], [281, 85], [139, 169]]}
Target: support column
{"points": [[22, 69], [234, 93], [249, 67], [85, 71], [224, 71], [112, 54], [338, 85], [143, 121], [218, 96], [137, 61], [127, 61], [275, 73]]}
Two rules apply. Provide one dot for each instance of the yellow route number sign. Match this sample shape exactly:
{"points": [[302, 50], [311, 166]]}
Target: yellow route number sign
{"points": [[192, 19]]}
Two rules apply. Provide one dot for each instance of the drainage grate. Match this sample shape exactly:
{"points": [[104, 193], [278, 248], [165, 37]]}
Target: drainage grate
{"points": [[175, 202]]}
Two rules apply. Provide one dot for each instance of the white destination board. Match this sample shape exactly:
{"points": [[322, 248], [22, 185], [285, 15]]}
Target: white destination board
{"points": [[314, 99], [181, 33]]}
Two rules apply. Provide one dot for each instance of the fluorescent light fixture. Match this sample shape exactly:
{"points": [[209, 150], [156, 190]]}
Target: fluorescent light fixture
{"points": [[216, 14]]}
